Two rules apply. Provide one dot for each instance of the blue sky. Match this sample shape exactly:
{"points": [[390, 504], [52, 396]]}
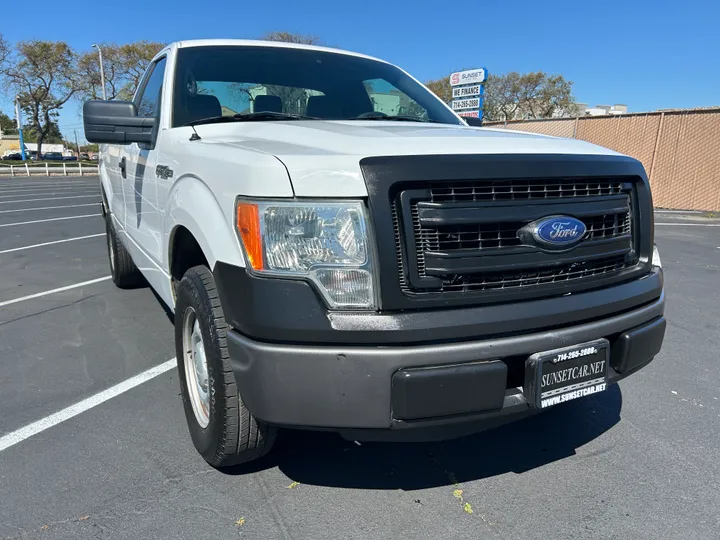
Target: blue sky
{"points": [[643, 53]]}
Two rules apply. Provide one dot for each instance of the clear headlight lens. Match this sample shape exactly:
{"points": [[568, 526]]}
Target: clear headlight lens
{"points": [[656, 257], [325, 242]]}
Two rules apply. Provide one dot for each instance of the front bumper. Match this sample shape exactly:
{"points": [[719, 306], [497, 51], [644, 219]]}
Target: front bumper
{"points": [[365, 391]]}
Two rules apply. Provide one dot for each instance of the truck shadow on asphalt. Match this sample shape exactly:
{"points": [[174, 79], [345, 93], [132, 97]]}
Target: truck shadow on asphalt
{"points": [[326, 459]]}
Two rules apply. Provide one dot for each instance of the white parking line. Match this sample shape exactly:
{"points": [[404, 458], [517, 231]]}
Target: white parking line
{"points": [[23, 248], [46, 186], [53, 291], [50, 219], [45, 189], [46, 208], [45, 183], [84, 192], [52, 199], [15, 437]]}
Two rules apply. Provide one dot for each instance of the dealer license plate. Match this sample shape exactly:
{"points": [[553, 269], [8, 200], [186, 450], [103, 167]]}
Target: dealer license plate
{"points": [[561, 375]]}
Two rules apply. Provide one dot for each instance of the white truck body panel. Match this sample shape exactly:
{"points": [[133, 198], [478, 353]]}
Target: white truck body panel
{"points": [[279, 159]]}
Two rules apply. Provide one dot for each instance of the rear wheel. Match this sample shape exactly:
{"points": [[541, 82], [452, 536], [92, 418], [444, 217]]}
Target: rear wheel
{"points": [[222, 429], [122, 268]]}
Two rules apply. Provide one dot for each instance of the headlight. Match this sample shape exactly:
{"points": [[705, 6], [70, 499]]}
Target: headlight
{"points": [[324, 242], [656, 257]]}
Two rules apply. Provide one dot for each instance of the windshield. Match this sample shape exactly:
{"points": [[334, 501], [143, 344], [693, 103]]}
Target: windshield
{"points": [[231, 80]]}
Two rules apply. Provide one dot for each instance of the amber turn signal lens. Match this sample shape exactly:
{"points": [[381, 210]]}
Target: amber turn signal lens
{"points": [[248, 225]]}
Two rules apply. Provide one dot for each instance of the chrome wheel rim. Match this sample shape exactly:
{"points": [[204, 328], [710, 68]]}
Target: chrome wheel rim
{"points": [[196, 372]]}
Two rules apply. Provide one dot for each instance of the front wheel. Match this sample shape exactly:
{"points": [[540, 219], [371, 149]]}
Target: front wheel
{"points": [[222, 429]]}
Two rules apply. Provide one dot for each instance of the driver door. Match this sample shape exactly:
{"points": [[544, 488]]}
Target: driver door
{"points": [[142, 217]]}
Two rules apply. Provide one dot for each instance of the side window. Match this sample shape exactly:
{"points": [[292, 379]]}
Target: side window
{"points": [[391, 101], [148, 101]]}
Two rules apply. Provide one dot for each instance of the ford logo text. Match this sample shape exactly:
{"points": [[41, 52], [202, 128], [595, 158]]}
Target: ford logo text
{"points": [[554, 232]]}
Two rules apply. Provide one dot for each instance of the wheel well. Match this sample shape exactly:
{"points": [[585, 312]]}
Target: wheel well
{"points": [[185, 253]]}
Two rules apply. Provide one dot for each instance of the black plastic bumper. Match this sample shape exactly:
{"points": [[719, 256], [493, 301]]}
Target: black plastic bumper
{"points": [[251, 307], [365, 390]]}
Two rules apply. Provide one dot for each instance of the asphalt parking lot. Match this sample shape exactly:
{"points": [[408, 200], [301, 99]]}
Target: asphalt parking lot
{"points": [[637, 461]]}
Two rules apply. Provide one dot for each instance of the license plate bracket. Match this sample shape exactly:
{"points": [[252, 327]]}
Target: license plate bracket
{"points": [[568, 373]]}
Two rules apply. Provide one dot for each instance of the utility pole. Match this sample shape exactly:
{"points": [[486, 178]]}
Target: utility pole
{"points": [[18, 117], [102, 70], [78, 145]]}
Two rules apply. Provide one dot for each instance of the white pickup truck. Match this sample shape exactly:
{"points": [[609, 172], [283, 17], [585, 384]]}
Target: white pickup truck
{"points": [[342, 252]]}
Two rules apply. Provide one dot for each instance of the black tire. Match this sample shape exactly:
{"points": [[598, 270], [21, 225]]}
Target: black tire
{"points": [[122, 268], [233, 435]]}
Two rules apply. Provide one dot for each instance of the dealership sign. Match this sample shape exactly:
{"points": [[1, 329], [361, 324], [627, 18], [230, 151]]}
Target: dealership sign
{"points": [[472, 103], [468, 88], [471, 76], [466, 91]]}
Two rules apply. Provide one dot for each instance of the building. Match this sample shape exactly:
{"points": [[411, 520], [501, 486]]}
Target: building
{"points": [[601, 110], [9, 144], [49, 147]]}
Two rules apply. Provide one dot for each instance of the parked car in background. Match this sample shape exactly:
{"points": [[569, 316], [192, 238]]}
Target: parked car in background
{"points": [[94, 157], [53, 156], [69, 158], [17, 156]]}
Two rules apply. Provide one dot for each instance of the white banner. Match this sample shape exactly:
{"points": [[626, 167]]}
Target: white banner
{"points": [[472, 103], [471, 76], [466, 91]]}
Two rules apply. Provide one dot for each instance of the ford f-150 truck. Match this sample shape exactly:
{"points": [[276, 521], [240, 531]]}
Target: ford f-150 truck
{"points": [[342, 252]]}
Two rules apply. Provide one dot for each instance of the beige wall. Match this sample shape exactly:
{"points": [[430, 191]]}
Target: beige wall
{"points": [[8, 145], [679, 149]]}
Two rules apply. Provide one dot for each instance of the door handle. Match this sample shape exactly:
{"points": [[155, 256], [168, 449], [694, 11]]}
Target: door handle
{"points": [[123, 169]]}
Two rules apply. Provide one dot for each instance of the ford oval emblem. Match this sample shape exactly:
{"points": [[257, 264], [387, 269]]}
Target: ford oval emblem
{"points": [[556, 231]]}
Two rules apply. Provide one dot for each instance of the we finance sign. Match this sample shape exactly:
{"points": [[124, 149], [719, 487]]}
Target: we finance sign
{"points": [[470, 76]]}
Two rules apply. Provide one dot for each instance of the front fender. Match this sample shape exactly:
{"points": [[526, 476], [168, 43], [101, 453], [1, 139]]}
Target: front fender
{"points": [[191, 204]]}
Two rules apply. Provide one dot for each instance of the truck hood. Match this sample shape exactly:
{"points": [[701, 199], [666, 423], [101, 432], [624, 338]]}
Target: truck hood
{"points": [[323, 157]]}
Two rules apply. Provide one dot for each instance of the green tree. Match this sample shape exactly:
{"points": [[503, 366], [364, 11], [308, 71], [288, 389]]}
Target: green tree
{"points": [[4, 51], [289, 37], [44, 77], [123, 65], [89, 71], [529, 95], [7, 124], [134, 59], [441, 88], [516, 95], [53, 135]]}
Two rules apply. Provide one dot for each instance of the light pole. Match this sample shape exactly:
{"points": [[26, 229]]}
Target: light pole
{"points": [[102, 70], [18, 115]]}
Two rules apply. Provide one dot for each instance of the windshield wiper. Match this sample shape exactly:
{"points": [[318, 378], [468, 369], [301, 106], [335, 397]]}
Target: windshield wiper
{"points": [[251, 117], [394, 118]]}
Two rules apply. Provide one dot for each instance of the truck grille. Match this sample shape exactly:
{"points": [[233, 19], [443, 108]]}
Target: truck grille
{"points": [[500, 235], [530, 278], [462, 237], [521, 189]]}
